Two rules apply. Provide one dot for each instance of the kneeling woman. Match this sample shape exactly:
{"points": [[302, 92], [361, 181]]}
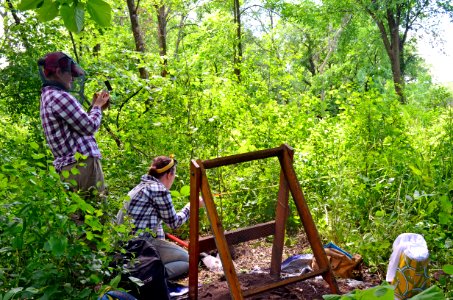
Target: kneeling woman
{"points": [[151, 204]]}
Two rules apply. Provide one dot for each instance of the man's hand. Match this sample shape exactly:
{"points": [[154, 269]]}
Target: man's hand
{"points": [[101, 100]]}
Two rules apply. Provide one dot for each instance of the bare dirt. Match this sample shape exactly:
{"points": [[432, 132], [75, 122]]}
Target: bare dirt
{"points": [[252, 261]]}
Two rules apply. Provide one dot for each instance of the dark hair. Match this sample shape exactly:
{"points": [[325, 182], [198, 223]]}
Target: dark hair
{"points": [[159, 163]]}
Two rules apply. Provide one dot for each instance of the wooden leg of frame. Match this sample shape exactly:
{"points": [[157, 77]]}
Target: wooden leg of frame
{"points": [[194, 250]]}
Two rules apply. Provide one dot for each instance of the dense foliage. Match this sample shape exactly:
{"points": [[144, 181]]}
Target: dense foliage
{"points": [[313, 76]]}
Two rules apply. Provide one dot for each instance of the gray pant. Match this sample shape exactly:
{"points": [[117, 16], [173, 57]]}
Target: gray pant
{"points": [[175, 258]]}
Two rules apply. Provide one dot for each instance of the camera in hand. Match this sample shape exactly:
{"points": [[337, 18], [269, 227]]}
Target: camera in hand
{"points": [[108, 85], [110, 89]]}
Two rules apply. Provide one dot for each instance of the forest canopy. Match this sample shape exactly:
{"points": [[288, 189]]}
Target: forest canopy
{"points": [[339, 81]]}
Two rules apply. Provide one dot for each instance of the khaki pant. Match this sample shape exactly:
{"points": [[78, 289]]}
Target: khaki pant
{"points": [[89, 183], [90, 178]]}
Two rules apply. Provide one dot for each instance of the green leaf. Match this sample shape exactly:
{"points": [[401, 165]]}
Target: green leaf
{"points": [[75, 171], [37, 156], [34, 146], [85, 293], [331, 297], [444, 218], [32, 290], [81, 204], [175, 194], [445, 204], [450, 186], [78, 156], [380, 213], [12, 292], [28, 4], [415, 170], [382, 292], [65, 173], [431, 293], [57, 245], [136, 280], [95, 278], [448, 269], [93, 223], [448, 243], [17, 243], [90, 235], [115, 281], [73, 17], [432, 206], [48, 11], [185, 190], [5, 249], [100, 11]]}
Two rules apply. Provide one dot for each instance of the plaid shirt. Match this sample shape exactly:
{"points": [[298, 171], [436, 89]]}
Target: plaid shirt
{"points": [[151, 204], [68, 128]]}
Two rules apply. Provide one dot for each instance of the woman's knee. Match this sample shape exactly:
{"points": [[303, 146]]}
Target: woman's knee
{"points": [[176, 269], [170, 252]]}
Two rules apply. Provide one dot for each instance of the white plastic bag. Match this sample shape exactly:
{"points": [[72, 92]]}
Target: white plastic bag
{"points": [[413, 245], [212, 263]]}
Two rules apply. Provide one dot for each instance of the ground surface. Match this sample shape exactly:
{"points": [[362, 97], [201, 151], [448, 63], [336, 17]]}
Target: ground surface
{"points": [[252, 261]]}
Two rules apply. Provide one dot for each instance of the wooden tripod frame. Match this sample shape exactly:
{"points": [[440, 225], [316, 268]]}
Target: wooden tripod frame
{"points": [[221, 240]]}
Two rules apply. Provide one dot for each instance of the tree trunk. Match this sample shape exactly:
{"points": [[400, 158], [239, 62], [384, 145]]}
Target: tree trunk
{"points": [[395, 60], [393, 46], [395, 53], [238, 41], [138, 37], [162, 14]]}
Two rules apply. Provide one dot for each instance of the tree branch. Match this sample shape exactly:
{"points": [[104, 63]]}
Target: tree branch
{"points": [[255, 5], [13, 12], [178, 40], [113, 136], [74, 48], [409, 22], [18, 22], [124, 103], [333, 43]]}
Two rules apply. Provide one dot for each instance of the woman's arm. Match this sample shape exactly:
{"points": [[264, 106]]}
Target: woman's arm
{"points": [[164, 206]]}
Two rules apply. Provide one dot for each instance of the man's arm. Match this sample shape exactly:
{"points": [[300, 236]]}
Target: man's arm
{"points": [[71, 111]]}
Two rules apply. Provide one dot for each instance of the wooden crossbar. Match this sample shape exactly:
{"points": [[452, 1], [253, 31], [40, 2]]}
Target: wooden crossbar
{"points": [[239, 236], [221, 239], [280, 283], [240, 158]]}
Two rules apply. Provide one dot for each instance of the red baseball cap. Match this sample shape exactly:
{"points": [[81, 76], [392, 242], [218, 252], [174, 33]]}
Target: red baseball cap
{"points": [[55, 60]]}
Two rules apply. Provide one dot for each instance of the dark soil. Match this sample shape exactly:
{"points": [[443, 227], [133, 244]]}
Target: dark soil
{"points": [[252, 261], [307, 289]]}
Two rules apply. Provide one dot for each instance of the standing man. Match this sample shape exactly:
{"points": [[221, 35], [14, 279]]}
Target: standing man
{"points": [[68, 128]]}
